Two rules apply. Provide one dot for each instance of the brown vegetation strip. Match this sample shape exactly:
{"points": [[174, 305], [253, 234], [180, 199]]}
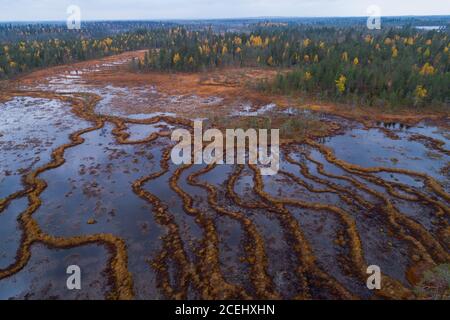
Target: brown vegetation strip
{"points": [[255, 243], [213, 286], [205, 273], [409, 229], [32, 233], [391, 288]]}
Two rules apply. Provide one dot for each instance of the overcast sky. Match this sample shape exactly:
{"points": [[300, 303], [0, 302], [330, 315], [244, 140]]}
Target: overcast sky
{"points": [[31, 10]]}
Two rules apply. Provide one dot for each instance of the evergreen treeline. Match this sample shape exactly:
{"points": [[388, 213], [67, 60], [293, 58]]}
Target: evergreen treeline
{"points": [[398, 66], [23, 31], [23, 56], [393, 66]]}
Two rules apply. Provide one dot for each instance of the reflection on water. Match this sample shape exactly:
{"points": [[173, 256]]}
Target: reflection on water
{"points": [[45, 276], [372, 148], [30, 128], [337, 201]]}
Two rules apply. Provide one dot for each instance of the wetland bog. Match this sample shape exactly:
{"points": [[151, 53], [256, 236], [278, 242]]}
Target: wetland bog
{"points": [[86, 178]]}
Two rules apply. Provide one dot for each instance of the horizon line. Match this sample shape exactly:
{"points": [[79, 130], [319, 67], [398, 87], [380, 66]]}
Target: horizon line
{"points": [[230, 18]]}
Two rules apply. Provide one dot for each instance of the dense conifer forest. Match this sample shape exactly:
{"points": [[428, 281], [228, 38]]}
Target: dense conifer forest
{"points": [[399, 65]]}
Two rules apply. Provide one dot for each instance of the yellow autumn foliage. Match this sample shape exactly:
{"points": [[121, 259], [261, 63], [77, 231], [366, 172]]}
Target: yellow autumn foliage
{"points": [[108, 41], [394, 52], [409, 41], [420, 92], [340, 83], [427, 69], [237, 41], [256, 41], [308, 76], [345, 56], [176, 58]]}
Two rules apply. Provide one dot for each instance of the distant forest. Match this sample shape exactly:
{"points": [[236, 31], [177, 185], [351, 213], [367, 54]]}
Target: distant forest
{"points": [[338, 58]]}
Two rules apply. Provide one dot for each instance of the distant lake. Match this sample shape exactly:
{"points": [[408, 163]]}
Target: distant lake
{"points": [[428, 27]]}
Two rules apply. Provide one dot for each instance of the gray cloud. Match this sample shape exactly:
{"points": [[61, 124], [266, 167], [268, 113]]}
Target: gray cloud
{"points": [[12, 10]]}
